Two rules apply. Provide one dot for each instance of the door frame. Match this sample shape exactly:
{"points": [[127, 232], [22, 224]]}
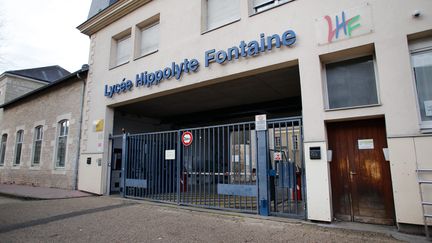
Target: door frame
{"points": [[371, 122]]}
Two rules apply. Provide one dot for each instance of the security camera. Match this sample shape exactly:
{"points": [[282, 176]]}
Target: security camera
{"points": [[416, 13]]}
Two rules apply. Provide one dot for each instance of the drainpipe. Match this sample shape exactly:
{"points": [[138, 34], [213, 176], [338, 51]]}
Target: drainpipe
{"points": [[84, 68]]}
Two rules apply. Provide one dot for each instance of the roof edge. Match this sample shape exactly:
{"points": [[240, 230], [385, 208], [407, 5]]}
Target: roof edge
{"points": [[48, 86], [109, 15]]}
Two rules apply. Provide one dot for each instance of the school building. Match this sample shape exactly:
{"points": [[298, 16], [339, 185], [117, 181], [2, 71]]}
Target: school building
{"points": [[320, 110]]}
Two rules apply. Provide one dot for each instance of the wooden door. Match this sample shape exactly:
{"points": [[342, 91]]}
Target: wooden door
{"points": [[360, 176]]}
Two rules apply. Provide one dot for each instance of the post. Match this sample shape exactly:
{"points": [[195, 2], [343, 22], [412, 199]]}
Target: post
{"points": [[263, 196], [123, 170], [262, 164], [179, 162]]}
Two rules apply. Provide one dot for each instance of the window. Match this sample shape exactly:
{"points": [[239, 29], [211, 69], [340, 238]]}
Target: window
{"points": [[261, 5], [422, 68], [18, 147], [123, 50], [221, 12], [37, 145], [3, 149], [149, 39], [351, 83], [63, 131]]}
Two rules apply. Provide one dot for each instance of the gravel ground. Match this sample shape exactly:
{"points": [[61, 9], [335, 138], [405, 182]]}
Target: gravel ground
{"points": [[103, 219]]}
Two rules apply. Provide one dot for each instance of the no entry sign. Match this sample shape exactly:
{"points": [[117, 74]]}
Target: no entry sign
{"points": [[187, 138]]}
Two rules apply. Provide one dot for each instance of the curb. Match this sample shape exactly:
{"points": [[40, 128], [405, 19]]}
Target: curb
{"points": [[32, 198], [22, 197], [390, 233]]}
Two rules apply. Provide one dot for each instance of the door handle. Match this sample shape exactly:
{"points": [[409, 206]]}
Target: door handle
{"points": [[353, 173]]}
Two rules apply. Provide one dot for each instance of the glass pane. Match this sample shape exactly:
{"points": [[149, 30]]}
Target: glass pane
{"points": [[61, 152], [64, 128], [123, 50], [37, 152], [261, 2], [351, 83], [38, 133], [220, 12], [149, 39], [18, 153], [19, 136], [422, 63], [3, 149]]}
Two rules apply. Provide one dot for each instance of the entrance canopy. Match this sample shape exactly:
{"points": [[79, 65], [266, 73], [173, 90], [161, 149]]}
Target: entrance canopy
{"points": [[275, 93]]}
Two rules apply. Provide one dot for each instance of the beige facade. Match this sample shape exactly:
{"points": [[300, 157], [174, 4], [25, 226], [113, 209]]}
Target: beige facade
{"points": [[390, 30], [12, 86], [46, 108]]}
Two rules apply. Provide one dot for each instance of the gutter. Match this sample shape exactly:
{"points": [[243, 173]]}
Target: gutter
{"points": [[75, 175]]}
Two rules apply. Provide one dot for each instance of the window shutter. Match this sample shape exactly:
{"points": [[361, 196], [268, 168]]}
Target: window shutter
{"points": [[150, 39], [123, 50], [220, 12]]}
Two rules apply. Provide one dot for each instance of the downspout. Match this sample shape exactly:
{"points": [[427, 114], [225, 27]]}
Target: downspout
{"points": [[83, 69]]}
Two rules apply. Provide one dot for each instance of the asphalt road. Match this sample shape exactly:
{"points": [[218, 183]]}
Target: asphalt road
{"points": [[107, 219]]}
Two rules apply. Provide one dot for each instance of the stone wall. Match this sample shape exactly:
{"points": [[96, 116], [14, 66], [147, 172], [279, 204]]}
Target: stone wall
{"points": [[47, 108]]}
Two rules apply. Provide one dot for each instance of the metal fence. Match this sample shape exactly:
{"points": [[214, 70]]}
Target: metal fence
{"points": [[286, 175], [218, 169], [148, 173]]}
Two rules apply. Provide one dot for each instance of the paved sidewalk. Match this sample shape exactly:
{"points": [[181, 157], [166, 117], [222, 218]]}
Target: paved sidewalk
{"points": [[40, 193]]}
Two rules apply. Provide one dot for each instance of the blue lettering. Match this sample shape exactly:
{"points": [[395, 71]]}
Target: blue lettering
{"points": [[129, 85], [193, 65], [221, 57], [108, 92], [243, 48], [209, 56], [262, 41], [253, 48], [139, 80], [186, 65], [341, 25], [159, 76], [151, 78], [289, 38], [270, 39], [167, 73], [234, 51]]}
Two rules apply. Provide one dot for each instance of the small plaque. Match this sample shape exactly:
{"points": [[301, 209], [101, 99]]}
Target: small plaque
{"points": [[428, 107], [261, 122], [170, 154], [365, 144]]}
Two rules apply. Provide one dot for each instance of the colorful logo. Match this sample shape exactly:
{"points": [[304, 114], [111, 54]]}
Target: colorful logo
{"points": [[342, 24]]}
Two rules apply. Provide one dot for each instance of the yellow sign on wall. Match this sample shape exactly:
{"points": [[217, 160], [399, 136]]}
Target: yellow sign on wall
{"points": [[99, 125]]}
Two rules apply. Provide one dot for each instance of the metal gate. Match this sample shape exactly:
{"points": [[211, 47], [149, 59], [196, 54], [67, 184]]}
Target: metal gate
{"points": [[286, 172], [218, 169]]}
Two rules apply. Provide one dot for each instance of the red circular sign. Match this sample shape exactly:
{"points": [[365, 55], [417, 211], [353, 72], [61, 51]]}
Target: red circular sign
{"points": [[187, 138]]}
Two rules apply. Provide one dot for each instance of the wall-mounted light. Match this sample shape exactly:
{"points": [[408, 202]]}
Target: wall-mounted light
{"points": [[329, 155], [386, 154]]}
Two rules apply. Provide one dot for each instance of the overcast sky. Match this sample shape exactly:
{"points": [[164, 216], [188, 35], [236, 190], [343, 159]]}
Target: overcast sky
{"points": [[37, 33]]}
